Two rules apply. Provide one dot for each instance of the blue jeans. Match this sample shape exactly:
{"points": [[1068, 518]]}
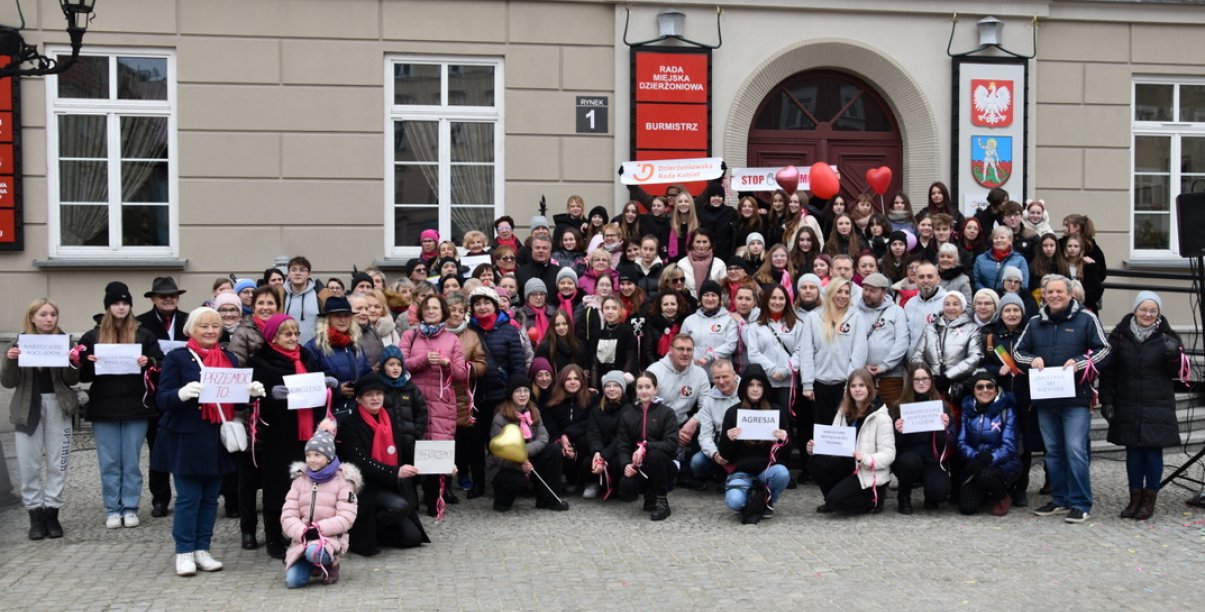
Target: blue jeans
{"points": [[118, 449], [298, 575], [736, 493], [702, 467], [1144, 467], [196, 511], [1065, 432]]}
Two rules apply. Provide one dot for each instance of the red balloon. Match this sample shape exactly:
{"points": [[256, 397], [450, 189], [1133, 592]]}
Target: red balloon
{"points": [[788, 179], [824, 181], [879, 179]]}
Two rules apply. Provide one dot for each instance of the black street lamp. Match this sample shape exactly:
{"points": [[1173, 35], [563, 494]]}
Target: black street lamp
{"points": [[77, 12]]}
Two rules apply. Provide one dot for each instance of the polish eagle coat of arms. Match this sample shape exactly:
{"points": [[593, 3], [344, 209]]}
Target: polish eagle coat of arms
{"points": [[991, 103]]}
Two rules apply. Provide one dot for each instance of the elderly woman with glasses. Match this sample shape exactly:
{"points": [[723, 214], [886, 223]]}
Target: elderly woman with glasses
{"points": [[987, 444]]}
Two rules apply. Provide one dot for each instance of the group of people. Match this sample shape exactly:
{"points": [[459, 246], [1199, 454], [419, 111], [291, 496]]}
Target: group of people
{"points": [[623, 351]]}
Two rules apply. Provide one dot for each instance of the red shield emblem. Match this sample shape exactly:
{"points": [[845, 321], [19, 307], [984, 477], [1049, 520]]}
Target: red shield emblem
{"points": [[991, 102]]}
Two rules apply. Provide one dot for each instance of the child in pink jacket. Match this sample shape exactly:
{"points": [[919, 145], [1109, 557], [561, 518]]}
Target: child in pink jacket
{"points": [[318, 512]]}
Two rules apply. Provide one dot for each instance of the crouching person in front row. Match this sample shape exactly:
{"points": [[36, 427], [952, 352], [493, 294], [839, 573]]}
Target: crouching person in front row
{"points": [[319, 511]]}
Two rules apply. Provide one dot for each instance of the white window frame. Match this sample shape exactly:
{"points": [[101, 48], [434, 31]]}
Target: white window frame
{"points": [[1174, 131], [112, 106], [445, 114]]}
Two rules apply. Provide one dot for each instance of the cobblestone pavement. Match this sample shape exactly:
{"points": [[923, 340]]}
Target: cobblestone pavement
{"points": [[608, 555]]}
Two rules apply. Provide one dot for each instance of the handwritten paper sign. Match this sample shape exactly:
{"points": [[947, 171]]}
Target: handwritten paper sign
{"points": [[831, 440], [112, 359], [1051, 383], [306, 390], [756, 424], [43, 350], [922, 416], [435, 456], [167, 346], [225, 385]]}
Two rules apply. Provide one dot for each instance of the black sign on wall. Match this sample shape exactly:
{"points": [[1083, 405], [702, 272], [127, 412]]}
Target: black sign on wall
{"points": [[592, 115]]}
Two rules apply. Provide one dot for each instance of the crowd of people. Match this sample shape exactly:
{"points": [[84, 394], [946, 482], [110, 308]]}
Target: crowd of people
{"points": [[623, 349]]}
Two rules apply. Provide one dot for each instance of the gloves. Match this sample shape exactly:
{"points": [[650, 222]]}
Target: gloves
{"points": [[979, 463], [191, 391], [280, 392], [332, 382], [311, 534], [256, 389]]}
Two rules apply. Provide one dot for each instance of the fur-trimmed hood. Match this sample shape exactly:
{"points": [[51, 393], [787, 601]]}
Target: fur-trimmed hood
{"points": [[348, 470]]}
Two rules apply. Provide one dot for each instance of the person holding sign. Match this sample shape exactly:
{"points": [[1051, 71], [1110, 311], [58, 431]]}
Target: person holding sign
{"points": [[1138, 396], [987, 443], [190, 446], [279, 434], [754, 460], [921, 457], [647, 445], [41, 409], [1065, 334], [858, 483], [410, 408], [119, 406], [378, 440]]}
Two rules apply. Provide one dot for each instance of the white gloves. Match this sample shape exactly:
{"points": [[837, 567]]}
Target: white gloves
{"points": [[191, 391], [256, 389]]}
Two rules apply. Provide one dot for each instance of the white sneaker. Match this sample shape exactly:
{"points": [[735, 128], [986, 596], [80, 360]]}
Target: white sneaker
{"points": [[205, 562], [113, 521], [185, 565], [130, 519], [590, 492]]}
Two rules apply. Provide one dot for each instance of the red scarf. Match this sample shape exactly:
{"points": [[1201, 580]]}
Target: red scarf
{"points": [[667, 339], [305, 417], [383, 449], [567, 304], [338, 339], [775, 316], [212, 358], [1001, 255], [259, 324], [540, 324], [487, 322]]}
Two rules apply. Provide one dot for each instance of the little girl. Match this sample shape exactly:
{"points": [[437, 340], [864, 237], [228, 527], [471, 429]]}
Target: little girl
{"points": [[318, 512]]}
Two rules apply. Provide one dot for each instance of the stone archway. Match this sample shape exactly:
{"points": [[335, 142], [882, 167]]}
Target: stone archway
{"points": [[917, 123]]}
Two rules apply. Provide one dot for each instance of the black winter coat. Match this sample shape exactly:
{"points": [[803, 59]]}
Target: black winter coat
{"points": [[278, 425], [1139, 382], [504, 357], [748, 456], [659, 430], [409, 402], [119, 397], [718, 220], [568, 419], [602, 429]]}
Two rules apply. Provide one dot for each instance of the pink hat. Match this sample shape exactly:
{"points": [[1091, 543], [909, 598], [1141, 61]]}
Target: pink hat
{"points": [[273, 325], [432, 234], [227, 298]]}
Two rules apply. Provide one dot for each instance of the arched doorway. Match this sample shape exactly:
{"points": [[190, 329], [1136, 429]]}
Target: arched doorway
{"points": [[830, 116]]}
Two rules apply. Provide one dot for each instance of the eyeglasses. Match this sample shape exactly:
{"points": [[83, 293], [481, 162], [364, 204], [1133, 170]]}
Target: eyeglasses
{"points": [[503, 228], [678, 279], [985, 386], [1148, 311], [921, 379], [288, 334], [507, 258], [610, 235]]}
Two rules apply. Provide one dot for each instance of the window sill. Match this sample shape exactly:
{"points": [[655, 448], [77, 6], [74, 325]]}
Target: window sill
{"points": [[68, 263], [1157, 263], [391, 264]]}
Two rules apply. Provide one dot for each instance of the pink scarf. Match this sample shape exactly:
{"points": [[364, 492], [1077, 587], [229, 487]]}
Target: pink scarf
{"points": [[702, 266], [525, 424], [540, 325], [567, 304]]}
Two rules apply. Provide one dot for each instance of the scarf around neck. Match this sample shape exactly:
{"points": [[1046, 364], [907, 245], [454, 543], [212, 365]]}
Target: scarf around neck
{"points": [[325, 473], [383, 448], [702, 266], [212, 358]]}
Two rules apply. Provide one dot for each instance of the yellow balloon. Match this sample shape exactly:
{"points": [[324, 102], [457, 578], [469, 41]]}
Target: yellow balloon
{"points": [[509, 444]]}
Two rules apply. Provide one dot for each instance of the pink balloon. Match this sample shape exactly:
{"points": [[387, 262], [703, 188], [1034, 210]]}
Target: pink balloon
{"points": [[911, 239], [788, 179], [824, 181], [879, 179]]}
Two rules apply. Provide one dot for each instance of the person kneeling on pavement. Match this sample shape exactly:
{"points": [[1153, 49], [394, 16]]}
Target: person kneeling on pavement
{"points": [[508, 477], [757, 479], [647, 443], [987, 442], [374, 438], [319, 510]]}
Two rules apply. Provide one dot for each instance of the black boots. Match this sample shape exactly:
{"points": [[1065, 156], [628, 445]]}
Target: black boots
{"points": [[905, 503], [53, 528], [660, 509], [1147, 508], [1135, 501], [37, 523]]}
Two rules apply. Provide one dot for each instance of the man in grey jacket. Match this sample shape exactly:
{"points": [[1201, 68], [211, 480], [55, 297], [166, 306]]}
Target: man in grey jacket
{"points": [[706, 464], [887, 336], [680, 385], [926, 306]]}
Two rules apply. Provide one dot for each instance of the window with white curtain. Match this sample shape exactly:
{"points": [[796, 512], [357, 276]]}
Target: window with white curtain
{"points": [[1168, 159], [444, 148], [111, 155]]}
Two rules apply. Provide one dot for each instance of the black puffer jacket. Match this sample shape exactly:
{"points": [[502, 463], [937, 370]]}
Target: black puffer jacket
{"points": [[119, 397], [1139, 383], [602, 428], [504, 357]]}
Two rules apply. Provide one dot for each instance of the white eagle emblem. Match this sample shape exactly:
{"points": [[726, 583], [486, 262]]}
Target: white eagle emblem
{"points": [[992, 103]]}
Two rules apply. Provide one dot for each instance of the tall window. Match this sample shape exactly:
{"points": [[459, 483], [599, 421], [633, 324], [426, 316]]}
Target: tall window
{"points": [[445, 155], [1169, 158], [111, 148]]}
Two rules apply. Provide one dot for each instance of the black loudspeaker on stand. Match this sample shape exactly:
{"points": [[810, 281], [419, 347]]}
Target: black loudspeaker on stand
{"points": [[1190, 210]]}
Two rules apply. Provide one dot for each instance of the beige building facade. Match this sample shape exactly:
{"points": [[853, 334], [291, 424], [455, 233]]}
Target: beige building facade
{"points": [[204, 138]]}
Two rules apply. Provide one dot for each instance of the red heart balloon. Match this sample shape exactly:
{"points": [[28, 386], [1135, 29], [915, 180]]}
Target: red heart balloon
{"points": [[879, 179], [788, 179], [823, 181]]}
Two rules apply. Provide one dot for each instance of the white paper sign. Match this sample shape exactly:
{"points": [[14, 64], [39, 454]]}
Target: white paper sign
{"points": [[757, 424], [43, 350], [225, 385], [435, 456], [1051, 383], [922, 416], [167, 346], [671, 171], [306, 390], [472, 261], [832, 440], [116, 359], [763, 179]]}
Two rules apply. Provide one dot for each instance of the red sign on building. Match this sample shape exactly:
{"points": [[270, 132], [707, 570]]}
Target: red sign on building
{"points": [[12, 226], [671, 106]]}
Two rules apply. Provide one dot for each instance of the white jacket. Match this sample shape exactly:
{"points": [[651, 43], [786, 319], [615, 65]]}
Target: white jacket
{"points": [[876, 440], [718, 271], [715, 336]]}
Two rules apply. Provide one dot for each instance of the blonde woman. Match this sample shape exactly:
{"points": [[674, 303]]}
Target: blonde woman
{"points": [[336, 345], [682, 227], [834, 346]]}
